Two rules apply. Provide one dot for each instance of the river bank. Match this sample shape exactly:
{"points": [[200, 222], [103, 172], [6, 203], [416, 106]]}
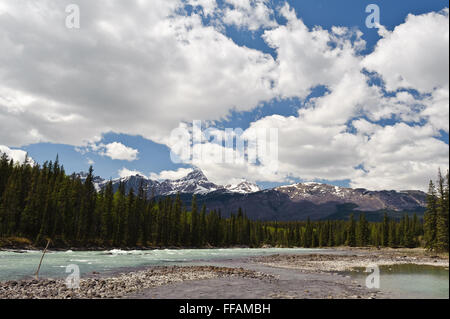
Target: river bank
{"points": [[315, 275], [119, 285], [356, 258], [23, 244], [196, 282]]}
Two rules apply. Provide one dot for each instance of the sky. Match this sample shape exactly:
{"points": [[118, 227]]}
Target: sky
{"points": [[112, 83]]}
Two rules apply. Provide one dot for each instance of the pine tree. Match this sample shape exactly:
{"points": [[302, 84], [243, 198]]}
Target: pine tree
{"points": [[194, 223], [176, 221], [362, 231], [392, 241], [202, 226], [408, 240], [385, 231], [6, 168], [107, 214], [331, 241], [39, 202], [351, 232], [430, 217], [308, 241], [119, 209], [85, 229], [442, 214], [131, 233], [185, 229]]}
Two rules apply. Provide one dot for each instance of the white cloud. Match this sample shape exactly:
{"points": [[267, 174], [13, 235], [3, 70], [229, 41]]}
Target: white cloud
{"points": [[140, 77], [172, 175], [311, 150], [15, 154], [208, 6], [308, 58], [158, 68], [319, 143], [396, 156], [125, 172], [250, 14], [401, 157], [437, 109], [415, 54], [118, 151]]}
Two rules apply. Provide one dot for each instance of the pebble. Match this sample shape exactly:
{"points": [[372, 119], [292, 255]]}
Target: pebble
{"points": [[120, 285]]}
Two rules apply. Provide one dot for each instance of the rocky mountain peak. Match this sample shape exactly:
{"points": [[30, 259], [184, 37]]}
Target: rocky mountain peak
{"points": [[290, 202], [196, 174], [366, 200], [195, 182], [243, 187]]}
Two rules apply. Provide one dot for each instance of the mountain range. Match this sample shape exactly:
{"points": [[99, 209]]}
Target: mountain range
{"points": [[285, 203]]}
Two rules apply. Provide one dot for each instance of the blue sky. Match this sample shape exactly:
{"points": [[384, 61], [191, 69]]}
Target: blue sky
{"points": [[153, 150], [349, 13]]}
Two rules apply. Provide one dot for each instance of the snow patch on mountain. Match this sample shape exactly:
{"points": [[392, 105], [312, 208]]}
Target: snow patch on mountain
{"points": [[318, 194], [243, 187], [194, 182]]}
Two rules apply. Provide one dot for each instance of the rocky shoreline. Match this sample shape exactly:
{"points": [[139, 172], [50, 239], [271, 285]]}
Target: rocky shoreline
{"points": [[299, 276], [356, 258], [119, 285]]}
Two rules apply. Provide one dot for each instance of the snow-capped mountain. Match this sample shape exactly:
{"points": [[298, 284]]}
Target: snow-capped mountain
{"points": [[317, 201], [243, 187], [290, 202], [366, 200], [193, 183], [98, 181]]}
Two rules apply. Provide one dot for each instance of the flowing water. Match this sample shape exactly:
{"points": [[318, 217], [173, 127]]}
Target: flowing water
{"points": [[23, 264], [402, 281]]}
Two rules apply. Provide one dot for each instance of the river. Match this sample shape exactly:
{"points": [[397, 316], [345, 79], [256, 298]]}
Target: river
{"points": [[399, 281]]}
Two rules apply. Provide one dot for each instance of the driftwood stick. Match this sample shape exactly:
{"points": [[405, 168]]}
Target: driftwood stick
{"points": [[42, 257]]}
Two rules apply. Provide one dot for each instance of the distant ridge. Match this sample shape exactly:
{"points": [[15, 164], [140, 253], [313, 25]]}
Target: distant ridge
{"points": [[193, 183], [290, 202]]}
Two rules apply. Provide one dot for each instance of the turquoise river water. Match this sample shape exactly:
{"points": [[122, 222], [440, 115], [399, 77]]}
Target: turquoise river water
{"points": [[402, 281], [23, 264]]}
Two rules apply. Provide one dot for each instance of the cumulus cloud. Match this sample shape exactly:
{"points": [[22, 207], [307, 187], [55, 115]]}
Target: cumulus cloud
{"points": [[118, 151], [207, 6], [415, 54], [250, 14], [159, 68], [125, 172], [141, 76], [437, 109], [308, 58], [15, 154], [400, 157], [163, 175], [171, 174], [338, 136]]}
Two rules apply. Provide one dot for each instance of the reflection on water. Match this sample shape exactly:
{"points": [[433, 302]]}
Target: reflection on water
{"points": [[411, 281]]}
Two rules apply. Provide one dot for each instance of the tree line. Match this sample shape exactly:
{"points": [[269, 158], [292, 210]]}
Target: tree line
{"points": [[41, 202], [436, 214]]}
